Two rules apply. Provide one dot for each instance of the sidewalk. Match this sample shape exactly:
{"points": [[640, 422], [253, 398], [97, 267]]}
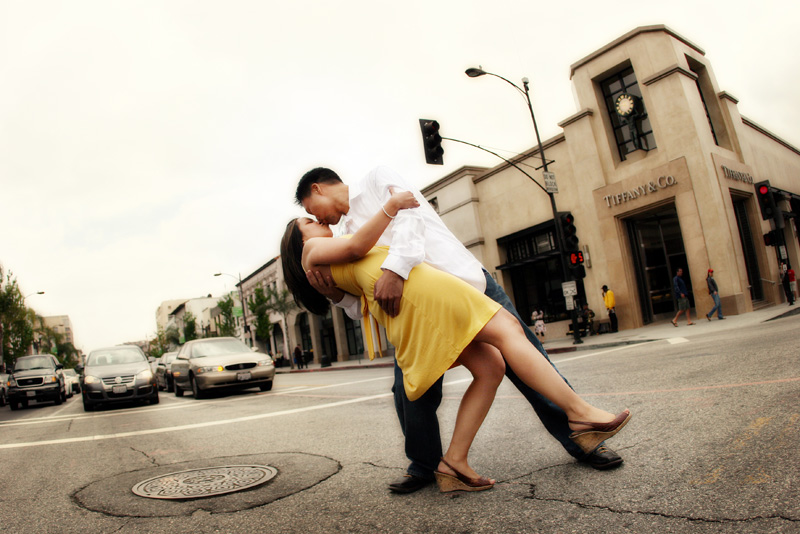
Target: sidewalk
{"points": [[650, 332]]}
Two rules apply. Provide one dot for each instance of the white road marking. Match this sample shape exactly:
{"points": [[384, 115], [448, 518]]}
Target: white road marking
{"points": [[213, 423], [593, 354], [676, 340]]}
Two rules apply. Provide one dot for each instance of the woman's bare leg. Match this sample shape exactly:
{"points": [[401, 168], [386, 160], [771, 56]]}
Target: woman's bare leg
{"points": [[488, 368], [504, 333]]}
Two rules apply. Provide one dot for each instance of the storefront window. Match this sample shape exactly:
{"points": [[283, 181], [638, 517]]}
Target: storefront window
{"points": [[534, 265]]}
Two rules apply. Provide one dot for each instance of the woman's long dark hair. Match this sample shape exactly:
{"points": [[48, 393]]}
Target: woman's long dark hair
{"points": [[294, 275]]}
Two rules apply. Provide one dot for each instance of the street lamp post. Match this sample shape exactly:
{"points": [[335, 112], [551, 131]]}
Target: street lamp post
{"points": [[34, 343], [524, 90], [241, 297]]}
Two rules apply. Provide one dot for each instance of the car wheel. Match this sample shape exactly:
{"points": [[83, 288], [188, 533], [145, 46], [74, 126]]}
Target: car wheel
{"points": [[170, 385], [88, 406], [154, 398], [178, 390], [266, 386], [14, 405], [64, 395], [59, 398], [198, 393]]}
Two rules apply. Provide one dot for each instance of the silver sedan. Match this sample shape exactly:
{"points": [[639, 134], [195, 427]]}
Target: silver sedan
{"points": [[222, 362]]}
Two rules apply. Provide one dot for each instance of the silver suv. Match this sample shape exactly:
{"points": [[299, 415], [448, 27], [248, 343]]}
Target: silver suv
{"points": [[36, 377]]}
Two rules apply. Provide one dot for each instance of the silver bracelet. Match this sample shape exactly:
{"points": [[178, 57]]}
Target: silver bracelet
{"points": [[384, 212]]}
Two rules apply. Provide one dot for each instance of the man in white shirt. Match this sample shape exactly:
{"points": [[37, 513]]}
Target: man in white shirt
{"points": [[414, 236]]}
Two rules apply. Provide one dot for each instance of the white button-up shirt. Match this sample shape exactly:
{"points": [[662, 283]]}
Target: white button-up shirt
{"points": [[414, 236]]}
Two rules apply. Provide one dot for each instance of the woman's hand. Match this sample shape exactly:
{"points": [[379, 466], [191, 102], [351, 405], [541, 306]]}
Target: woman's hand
{"points": [[399, 201]]}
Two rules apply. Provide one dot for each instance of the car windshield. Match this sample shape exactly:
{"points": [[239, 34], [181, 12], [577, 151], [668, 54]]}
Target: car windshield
{"points": [[36, 362], [114, 357], [70, 372], [218, 348], [169, 357]]}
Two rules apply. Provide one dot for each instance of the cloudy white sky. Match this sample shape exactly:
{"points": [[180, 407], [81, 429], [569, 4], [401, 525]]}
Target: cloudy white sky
{"points": [[145, 146]]}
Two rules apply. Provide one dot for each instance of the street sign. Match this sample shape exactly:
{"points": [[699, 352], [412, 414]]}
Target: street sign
{"points": [[550, 182], [569, 289], [570, 303]]}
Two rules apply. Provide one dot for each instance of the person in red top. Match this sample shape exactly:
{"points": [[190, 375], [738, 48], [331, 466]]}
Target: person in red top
{"points": [[789, 282]]}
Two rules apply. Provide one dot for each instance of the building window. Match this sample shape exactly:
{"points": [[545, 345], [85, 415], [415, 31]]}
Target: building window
{"points": [[710, 102], [531, 245], [633, 132], [355, 339]]}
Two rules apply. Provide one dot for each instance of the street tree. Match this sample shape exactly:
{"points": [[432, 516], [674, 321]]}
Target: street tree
{"points": [[189, 326], [227, 326], [259, 307], [282, 303], [16, 330]]}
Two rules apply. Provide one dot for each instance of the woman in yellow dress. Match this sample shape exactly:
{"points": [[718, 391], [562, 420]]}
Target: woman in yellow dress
{"points": [[443, 322]]}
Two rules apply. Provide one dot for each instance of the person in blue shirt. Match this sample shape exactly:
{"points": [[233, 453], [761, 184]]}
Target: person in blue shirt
{"points": [[682, 294]]}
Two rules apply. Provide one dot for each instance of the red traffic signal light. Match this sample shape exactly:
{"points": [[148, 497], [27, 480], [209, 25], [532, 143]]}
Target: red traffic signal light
{"points": [[576, 258], [431, 142], [766, 201]]}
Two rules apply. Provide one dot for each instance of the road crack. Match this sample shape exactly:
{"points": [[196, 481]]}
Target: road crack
{"points": [[613, 510], [150, 458]]}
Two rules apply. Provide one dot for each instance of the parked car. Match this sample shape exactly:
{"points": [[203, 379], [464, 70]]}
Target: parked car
{"points": [[3, 389], [36, 377], [164, 371], [117, 374], [221, 362], [72, 382]]}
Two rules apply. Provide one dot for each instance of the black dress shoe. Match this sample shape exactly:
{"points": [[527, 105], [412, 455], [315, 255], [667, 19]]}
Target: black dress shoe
{"points": [[409, 484], [603, 458]]}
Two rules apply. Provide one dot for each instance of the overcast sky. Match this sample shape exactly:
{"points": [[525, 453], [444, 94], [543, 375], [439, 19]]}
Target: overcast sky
{"points": [[145, 146]]}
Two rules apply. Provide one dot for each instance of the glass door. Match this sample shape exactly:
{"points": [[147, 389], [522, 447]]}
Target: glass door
{"points": [[658, 251]]}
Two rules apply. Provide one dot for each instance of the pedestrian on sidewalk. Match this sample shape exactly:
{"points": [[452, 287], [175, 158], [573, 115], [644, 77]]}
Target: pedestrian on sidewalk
{"points": [[682, 294], [788, 280], [713, 290], [538, 323], [611, 307], [298, 358]]}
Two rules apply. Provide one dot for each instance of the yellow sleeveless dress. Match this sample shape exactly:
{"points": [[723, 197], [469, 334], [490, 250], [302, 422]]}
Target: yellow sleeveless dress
{"points": [[439, 316]]}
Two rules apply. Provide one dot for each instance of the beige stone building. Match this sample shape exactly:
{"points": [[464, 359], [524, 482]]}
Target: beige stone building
{"points": [[668, 185], [657, 167]]}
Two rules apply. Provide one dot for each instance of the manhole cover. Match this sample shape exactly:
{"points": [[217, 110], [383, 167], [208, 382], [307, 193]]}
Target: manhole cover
{"points": [[197, 483]]}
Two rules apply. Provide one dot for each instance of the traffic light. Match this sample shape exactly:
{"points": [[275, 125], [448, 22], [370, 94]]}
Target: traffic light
{"points": [[766, 201], [771, 238], [571, 250], [567, 222], [431, 141]]}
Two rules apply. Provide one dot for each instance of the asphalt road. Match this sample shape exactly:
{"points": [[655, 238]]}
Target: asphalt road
{"points": [[712, 447]]}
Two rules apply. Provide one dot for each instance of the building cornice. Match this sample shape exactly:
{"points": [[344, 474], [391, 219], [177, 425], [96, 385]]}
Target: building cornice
{"points": [[553, 141], [452, 177], [627, 37], [586, 112], [669, 71], [726, 95], [769, 134]]}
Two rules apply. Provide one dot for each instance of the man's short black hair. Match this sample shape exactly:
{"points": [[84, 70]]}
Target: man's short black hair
{"points": [[320, 175]]}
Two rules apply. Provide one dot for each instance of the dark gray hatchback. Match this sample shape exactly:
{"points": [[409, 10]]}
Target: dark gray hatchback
{"points": [[117, 374]]}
